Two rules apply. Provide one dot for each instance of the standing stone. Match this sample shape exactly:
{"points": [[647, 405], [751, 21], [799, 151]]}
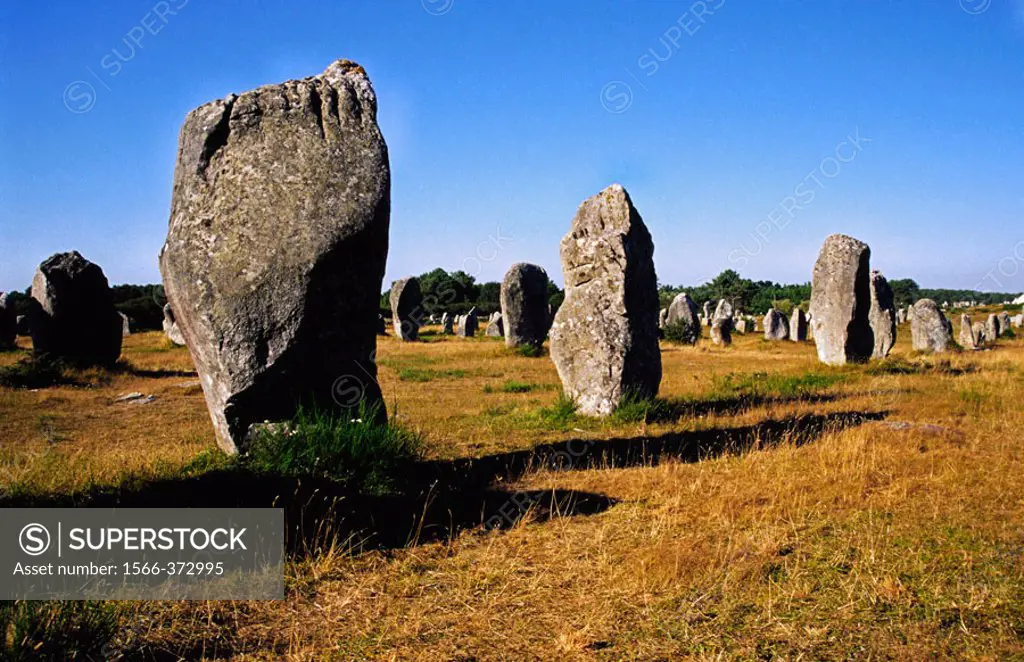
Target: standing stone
{"points": [[447, 327], [968, 337], [910, 313], [22, 325], [662, 318], [979, 333], [683, 312], [524, 305], [993, 329], [495, 327], [468, 324], [1017, 320], [841, 301], [276, 248], [8, 322], [406, 308], [171, 328], [930, 330], [798, 326], [706, 309], [604, 342], [901, 316], [1004, 323], [741, 325], [775, 325], [72, 313], [126, 325], [721, 324], [882, 316]]}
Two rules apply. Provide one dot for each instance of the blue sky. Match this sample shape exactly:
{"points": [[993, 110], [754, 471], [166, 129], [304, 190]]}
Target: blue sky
{"points": [[745, 130]]}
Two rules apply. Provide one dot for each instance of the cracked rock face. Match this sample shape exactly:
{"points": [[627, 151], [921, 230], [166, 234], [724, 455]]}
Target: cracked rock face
{"points": [[524, 305], [604, 340], [882, 316], [72, 314], [929, 329], [276, 247], [841, 301], [406, 308], [683, 311]]}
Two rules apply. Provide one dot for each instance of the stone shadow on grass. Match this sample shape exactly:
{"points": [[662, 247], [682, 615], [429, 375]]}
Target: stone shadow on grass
{"points": [[439, 498]]}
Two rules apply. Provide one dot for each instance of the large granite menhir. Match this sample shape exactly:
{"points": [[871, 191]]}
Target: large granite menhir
{"points": [[604, 340], [683, 312], [882, 316], [276, 247], [72, 313], [406, 308], [841, 301], [930, 331]]}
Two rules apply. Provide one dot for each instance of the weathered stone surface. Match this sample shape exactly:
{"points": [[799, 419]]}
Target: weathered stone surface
{"points": [[406, 308], [524, 305], [604, 341], [662, 318], [126, 325], [468, 324], [721, 324], [901, 316], [979, 333], [171, 328], [993, 329], [683, 311], [798, 326], [882, 316], [1017, 320], [72, 315], [276, 247], [1004, 323], [495, 326], [706, 309], [841, 301], [447, 324], [8, 322], [910, 312], [930, 330], [741, 326], [775, 325], [968, 338]]}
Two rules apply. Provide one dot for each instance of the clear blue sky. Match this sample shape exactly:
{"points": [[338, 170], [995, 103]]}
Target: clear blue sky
{"points": [[499, 119]]}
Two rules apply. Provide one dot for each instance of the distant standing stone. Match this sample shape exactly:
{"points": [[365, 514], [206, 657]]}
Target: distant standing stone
{"points": [[1004, 323], [171, 328], [406, 307], [882, 316], [468, 324], [447, 324], [524, 305], [841, 301], [798, 326], [126, 325], [979, 333], [721, 324], [683, 311], [495, 326], [706, 309], [930, 330], [901, 316], [662, 318], [741, 325], [72, 313], [604, 341], [993, 329], [968, 339], [775, 325], [8, 322]]}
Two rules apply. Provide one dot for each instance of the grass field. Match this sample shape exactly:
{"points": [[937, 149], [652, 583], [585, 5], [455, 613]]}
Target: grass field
{"points": [[765, 506]]}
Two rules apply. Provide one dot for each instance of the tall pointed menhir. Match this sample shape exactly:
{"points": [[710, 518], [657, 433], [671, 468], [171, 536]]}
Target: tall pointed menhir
{"points": [[841, 301], [604, 340], [276, 247]]}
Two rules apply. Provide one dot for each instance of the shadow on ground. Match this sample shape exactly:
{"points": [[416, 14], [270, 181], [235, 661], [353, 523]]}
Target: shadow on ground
{"points": [[440, 498]]}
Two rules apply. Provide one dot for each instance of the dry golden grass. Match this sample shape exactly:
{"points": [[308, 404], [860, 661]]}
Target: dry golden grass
{"points": [[848, 538]]}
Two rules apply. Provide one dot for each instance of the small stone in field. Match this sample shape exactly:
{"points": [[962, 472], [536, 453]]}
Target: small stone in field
{"points": [[930, 330], [968, 339], [406, 307], [798, 326], [775, 325]]}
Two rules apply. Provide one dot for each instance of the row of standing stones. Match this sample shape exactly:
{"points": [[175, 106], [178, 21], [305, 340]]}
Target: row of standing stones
{"points": [[276, 249]]}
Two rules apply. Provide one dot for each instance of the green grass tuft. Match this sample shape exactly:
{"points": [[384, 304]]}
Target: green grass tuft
{"points": [[326, 444], [64, 630], [512, 386], [530, 351]]}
